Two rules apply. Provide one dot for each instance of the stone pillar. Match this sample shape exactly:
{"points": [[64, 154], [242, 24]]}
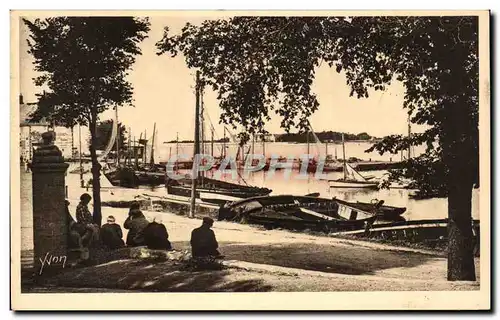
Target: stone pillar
{"points": [[50, 225]]}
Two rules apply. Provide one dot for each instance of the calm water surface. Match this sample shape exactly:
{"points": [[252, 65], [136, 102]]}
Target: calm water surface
{"points": [[282, 182], [352, 149]]}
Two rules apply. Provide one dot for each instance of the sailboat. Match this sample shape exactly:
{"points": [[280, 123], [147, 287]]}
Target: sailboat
{"points": [[402, 183], [352, 178], [208, 189], [116, 174], [132, 175]]}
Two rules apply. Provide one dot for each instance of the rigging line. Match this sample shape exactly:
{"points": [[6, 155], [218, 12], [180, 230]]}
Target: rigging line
{"points": [[212, 127]]}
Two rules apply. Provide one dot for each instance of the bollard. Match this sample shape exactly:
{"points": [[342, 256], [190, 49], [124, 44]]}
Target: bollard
{"points": [[50, 223]]}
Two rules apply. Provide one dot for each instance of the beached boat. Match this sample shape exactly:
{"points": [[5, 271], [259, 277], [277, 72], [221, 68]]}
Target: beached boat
{"points": [[378, 208], [297, 212], [430, 232]]}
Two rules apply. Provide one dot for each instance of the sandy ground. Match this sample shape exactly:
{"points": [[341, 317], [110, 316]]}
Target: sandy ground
{"points": [[274, 260], [263, 260]]}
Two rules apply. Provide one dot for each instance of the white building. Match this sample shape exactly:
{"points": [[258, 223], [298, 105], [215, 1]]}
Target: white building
{"points": [[30, 133]]}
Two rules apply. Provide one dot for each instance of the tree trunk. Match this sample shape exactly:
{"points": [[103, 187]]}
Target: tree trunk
{"points": [[96, 172], [459, 155], [461, 242]]}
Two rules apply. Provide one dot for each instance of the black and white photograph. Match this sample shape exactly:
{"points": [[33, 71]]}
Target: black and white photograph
{"points": [[344, 154]]}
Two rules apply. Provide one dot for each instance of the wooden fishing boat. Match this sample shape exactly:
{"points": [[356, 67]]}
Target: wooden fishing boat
{"points": [[213, 190], [429, 232], [297, 212], [377, 207], [122, 177]]}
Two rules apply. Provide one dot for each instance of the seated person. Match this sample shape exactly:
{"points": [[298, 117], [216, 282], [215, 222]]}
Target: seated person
{"points": [[135, 223], [111, 234], [156, 235], [75, 231], [85, 220], [203, 242]]}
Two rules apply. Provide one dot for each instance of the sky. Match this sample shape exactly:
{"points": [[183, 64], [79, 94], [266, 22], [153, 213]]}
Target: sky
{"points": [[164, 94]]}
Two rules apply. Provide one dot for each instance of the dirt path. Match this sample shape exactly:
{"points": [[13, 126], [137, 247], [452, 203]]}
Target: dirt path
{"points": [[273, 260]]}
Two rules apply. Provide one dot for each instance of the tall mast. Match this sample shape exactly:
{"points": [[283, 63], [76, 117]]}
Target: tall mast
{"points": [[129, 146], [212, 144], [79, 153], [194, 176], [202, 120], [343, 156], [152, 159], [253, 143], [117, 138], [30, 144], [307, 138], [202, 125], [177, 145], [145, 147], [72, 144], [135, 152], [264, 145], [409, 136], [224, 144]]}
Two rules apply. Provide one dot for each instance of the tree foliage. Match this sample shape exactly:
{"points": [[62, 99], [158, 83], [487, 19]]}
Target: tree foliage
{"points": [[83, 63], [258, 64], [435, 58], [103, 134]]}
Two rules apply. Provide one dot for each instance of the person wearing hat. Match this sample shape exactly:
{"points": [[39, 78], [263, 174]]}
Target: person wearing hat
{"points": [[111, 234], [203, 241]]}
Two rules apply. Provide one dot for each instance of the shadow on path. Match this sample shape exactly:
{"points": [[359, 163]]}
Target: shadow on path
{"points": [[148, 276], [344, 259]]}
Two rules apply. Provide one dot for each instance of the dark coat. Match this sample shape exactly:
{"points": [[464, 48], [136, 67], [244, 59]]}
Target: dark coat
{"points": [[111, 236], [136, 223], [156, 236], [203, 242]]}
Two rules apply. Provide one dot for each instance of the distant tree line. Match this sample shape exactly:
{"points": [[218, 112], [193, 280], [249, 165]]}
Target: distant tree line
{"points": [[323, 136], [302, 137], [191, 141]]}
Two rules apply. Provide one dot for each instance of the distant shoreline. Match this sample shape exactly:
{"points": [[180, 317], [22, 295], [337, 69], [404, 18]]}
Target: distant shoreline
{"points": [[288, 142]]}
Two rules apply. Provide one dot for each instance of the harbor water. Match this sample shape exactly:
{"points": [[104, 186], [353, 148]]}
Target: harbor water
{"points": [[289, 182], [352, 149]]}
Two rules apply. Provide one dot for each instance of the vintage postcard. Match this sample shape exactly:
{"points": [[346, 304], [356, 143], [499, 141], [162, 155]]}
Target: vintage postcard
{"points": [[217, 160]]}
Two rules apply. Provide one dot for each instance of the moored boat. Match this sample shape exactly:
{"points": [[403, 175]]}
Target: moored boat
{"points": [[352, 178], [214, 191]]}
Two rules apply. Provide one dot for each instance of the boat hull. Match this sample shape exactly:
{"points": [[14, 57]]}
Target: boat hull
{"points": [[352, 184], [383, 212], [215, 191], [431, 233], [297, 212]]}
